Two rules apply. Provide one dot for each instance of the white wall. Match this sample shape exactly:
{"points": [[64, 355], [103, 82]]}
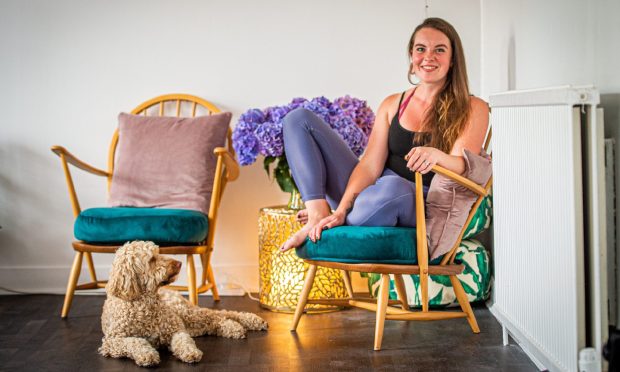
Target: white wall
{"points": [[530, 44], [68, 67]]}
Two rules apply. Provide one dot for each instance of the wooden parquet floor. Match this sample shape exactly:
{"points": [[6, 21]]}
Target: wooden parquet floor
{"points": [[34, 338]]}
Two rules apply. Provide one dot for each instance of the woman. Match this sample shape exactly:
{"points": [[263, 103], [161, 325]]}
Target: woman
{"points": [[427, 125]]}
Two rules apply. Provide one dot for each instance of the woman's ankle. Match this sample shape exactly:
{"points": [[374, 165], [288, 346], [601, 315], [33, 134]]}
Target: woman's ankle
{"points": [[317, 209]]}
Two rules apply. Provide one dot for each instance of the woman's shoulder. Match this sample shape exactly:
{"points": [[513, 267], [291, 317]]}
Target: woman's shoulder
{"points": [[479, 114], [389, 105], [392, 99], [477, 104]]}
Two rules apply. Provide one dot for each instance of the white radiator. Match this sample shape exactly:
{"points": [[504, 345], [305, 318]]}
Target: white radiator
{"points": [[549, 222]]}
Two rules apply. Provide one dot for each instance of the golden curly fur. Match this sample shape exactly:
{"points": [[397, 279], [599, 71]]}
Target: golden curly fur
{"points": [[139, 316]]}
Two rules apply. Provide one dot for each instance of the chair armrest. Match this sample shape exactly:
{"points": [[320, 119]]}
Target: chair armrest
{"points": [[232, 168], [466, 182], [71, 159], [68, 158]]}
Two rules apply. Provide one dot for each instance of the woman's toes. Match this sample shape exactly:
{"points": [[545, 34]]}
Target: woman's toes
{"points": [[296, 240], [302, 216]]}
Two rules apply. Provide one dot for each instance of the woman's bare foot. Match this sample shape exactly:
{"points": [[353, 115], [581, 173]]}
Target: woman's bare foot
{"points": [[315, 210], [302, 216], [297, 239]]}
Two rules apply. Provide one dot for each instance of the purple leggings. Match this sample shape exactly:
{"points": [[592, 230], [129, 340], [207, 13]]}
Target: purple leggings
{"points": [[321, 164]]}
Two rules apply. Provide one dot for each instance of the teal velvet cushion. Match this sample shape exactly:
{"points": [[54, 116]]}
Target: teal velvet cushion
{"points": [[359, 244], [121, 224]]}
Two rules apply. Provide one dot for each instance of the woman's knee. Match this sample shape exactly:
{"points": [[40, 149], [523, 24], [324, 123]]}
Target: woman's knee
{"points": [[395, 186], [381, 203], [296, 118]]}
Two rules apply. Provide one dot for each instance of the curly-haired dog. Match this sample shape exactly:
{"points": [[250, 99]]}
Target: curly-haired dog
{"points": [[139, 316]]}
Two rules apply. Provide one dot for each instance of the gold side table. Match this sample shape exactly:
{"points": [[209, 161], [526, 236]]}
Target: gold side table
{"points": [[282, 274]]}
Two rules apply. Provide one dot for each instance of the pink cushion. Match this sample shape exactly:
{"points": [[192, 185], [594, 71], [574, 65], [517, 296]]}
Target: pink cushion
{"points": [[448, 204], [166, 162]]}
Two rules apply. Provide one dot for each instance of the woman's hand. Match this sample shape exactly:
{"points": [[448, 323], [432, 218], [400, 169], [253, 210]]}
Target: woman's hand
{"points": [[423, 159], [333, 220]]}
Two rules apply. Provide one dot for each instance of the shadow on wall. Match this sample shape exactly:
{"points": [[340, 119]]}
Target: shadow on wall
{"points": [[35, 213], [512, 61], [611, 105]]}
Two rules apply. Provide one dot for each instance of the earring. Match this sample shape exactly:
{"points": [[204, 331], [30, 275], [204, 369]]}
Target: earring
{"points": [[412, 74]]}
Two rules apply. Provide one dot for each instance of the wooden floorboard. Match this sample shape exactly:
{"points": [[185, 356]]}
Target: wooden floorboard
{"points": [[33, 337]]}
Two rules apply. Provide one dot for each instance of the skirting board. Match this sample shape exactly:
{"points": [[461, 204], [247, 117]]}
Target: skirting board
{"points": [[232, 280], [527, 345]]}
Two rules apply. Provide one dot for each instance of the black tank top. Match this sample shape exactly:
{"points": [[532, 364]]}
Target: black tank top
{"points": [[400, 142]]}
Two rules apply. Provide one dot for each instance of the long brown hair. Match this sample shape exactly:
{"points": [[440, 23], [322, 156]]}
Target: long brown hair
{"points": [[449, 112]]}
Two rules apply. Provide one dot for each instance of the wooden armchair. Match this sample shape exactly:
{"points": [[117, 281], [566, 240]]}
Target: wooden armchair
{"points": [[422, 267], [226, 170]]}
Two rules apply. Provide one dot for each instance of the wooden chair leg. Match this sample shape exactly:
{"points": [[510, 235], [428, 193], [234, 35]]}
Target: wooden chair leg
{"points": [[216, 294], [382, 303], [461, 296], [73, 278], [91, 266], [191, 280], [401, 290], [303, 296], [205, 264], [347, 282], [424, 291]]}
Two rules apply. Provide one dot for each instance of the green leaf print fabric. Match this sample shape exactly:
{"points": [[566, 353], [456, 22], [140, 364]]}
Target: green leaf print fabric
{"points": [[482, 218], [476, 279]]}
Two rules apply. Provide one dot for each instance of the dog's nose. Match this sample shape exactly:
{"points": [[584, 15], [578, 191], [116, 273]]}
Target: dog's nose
{"points": [[177, 265]]}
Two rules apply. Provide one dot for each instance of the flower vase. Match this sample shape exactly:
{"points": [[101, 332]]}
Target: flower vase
{"points": [[295, 202]]}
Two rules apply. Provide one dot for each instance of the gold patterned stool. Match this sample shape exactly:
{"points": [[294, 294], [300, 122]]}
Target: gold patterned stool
{"points": [[282, 274]]}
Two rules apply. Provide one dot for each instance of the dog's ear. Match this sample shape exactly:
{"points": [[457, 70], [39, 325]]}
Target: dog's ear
{"points": [[125, 281]]}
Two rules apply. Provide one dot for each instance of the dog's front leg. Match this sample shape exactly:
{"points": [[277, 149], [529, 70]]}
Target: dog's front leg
{"points": [[184, 347], [250, 321], [138, 349], [203, 321]]}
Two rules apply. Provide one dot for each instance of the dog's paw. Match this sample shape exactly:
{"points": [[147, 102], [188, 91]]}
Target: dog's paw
{"points": [[253, 322], [147, 358], [230, 329], [190, 355]]}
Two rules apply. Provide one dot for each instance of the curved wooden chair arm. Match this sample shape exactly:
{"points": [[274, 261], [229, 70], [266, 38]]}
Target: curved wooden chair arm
{"points": [[466, 182], [67, 158], [232, 168], [71, 159]]}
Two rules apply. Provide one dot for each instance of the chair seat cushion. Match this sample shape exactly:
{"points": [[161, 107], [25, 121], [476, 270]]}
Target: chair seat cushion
{"points": [[121, 224], [363, 244]]}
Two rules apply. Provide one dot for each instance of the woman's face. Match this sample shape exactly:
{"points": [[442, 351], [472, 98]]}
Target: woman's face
{"points": [[431, 55]]}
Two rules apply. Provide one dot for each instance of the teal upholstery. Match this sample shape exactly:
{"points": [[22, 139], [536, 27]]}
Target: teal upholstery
{"points": [[122, 224], [361, 244]]}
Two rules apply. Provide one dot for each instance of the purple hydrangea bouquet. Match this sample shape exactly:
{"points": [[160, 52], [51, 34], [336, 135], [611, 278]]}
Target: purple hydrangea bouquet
{"points": [[259, 132]]}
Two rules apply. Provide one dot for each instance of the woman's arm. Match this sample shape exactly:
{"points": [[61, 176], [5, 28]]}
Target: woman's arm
{"points": [[422, 159]]}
